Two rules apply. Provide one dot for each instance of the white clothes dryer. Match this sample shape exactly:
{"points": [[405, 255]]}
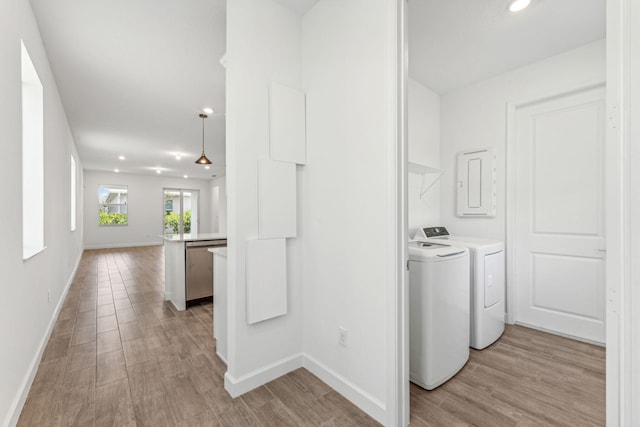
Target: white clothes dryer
{"points": [[438, 312], [487, 275]]}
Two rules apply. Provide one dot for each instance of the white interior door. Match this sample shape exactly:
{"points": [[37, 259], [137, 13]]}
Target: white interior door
{"points": [[559, 224]]}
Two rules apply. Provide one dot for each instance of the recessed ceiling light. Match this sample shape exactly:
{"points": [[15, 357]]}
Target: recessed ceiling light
{"points": [[208, 110], [121, 157], [178, 156], [207, 167], [518, 5], [186, 176], [158, 171], [116, 170]]}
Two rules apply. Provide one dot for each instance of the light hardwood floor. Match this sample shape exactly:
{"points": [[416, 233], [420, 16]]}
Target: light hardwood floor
{"points": [[526, 378], [120, 356]]}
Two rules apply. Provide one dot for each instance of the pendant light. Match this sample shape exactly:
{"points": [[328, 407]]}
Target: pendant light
{"points": [[203, 158]]}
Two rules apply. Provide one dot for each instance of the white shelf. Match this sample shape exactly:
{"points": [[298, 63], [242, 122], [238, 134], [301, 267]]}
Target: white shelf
{"points": [[424, 170], [419, 169]]}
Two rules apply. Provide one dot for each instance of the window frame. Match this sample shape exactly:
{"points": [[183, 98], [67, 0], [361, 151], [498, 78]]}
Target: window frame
{"points": [[73, 219], [119, 205], [33, 193]]}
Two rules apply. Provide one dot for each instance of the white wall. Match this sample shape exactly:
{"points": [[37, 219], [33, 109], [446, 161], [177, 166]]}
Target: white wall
{"points": [[475, 117], [346, 212], [341, 265], [145, 208], [26, 315], [424, 149], [219, 205], [633, 56], [263, 45], [623, 293]]}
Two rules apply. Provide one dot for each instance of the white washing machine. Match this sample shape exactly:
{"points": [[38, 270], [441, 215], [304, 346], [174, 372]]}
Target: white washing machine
{"points": [[438, 312], [487, 282]]}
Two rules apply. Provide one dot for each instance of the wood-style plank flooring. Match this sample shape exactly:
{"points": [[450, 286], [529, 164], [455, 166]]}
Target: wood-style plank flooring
{"points": [[526, 378], [120, 356]]}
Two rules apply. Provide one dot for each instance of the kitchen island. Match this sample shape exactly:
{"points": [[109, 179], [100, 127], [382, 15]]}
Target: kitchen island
{"points": [[188, 276], [220, 301]]}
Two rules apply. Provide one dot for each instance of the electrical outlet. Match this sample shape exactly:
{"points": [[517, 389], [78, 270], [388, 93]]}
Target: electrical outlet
{"points": [[342, 336]]}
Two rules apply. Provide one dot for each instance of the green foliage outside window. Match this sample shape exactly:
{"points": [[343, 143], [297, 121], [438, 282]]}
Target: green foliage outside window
{"points": [[187, 222], [172, 222], [113, 218]]}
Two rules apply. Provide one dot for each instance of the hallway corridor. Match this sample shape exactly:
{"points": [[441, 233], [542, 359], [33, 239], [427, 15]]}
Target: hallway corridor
{"points": [[120, 356]]}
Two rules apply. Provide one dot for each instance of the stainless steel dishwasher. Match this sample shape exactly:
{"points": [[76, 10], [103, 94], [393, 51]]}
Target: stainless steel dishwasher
{"points": [[199, 271]]}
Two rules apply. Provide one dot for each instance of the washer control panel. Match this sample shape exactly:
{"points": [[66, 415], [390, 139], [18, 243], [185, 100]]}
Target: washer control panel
{"points": [[435, 232]]}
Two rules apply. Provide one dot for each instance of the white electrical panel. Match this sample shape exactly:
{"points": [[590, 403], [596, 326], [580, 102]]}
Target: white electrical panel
{"points": [[476, 184]]}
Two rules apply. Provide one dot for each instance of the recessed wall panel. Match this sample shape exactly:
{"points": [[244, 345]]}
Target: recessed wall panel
{"points": [[474, 183]]}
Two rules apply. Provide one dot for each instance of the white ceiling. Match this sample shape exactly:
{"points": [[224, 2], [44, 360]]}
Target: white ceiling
{"points": [[453, 43], [133, 77]]}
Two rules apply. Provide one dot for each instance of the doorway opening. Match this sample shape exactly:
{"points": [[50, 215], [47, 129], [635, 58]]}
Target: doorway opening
{"points": [[180, 211], [477, 76]]}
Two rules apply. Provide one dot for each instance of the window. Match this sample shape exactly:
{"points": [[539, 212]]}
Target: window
{"points": [[113, 204], [74, 184], [32, 159]]}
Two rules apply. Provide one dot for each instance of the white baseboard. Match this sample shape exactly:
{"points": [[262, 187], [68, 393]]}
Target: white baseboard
{"points": [[363, 400], [369, 404], [238, 386], [21, 397], [122, 245]]}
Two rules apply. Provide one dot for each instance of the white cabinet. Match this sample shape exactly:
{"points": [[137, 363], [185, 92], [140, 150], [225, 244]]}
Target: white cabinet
{"points": [[220, 302]]}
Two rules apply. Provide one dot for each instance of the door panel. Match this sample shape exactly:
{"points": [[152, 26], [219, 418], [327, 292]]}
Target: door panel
{"points": [[566, 170], [559, 238], [567, 284], [493, 278]]}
